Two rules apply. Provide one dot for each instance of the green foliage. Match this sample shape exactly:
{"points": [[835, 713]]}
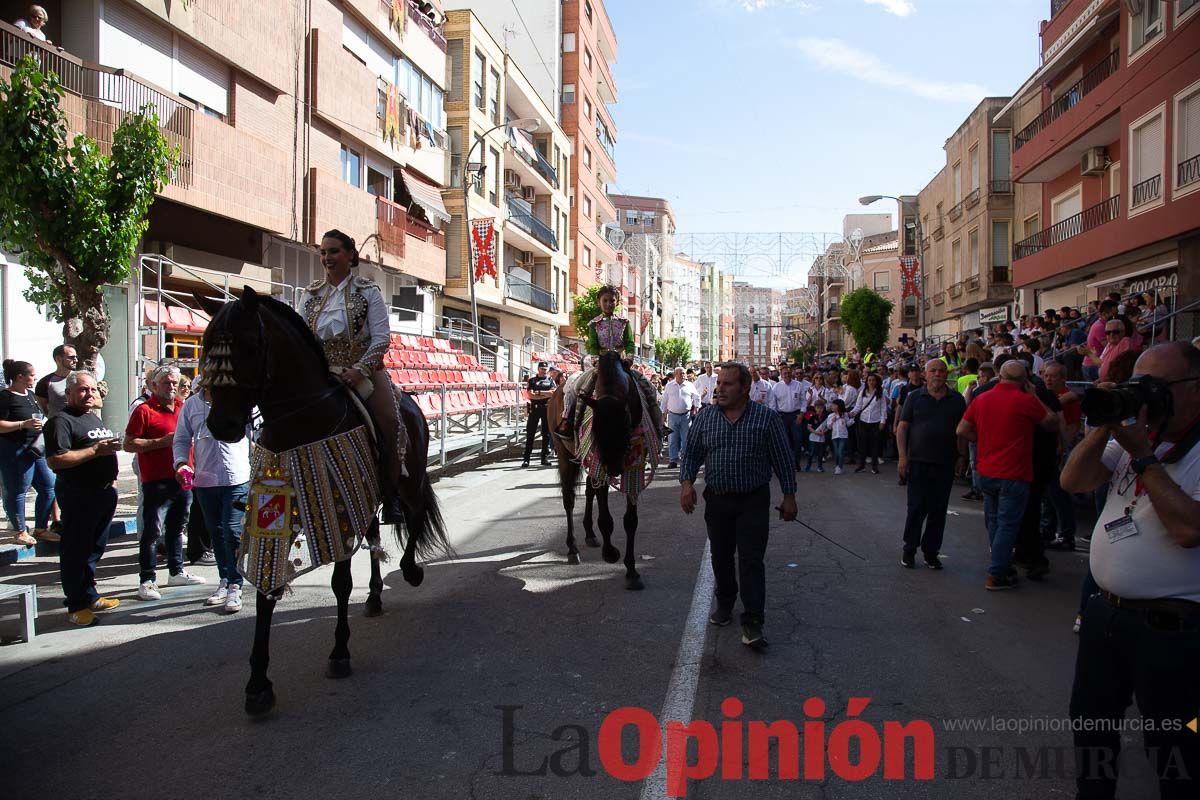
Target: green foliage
{"points": [[867, 315], [673, 351], [75, 214], [804, 354], [587, 308]]}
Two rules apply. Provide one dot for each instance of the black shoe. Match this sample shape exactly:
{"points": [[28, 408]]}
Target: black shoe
{"points": [[874, 470], [673, 465], [972, 495], [545, 462], [933, 562], [908, 560], [525, 463], [1061, 544], [860, 468], [752, 635], [902, 482], [1038, 571], [995, 584], [393, 512], [721, 617]]}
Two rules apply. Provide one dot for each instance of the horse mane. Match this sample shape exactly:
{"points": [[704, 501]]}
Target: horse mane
{"points": [[611, 430], [231, 312], [610, 369]]}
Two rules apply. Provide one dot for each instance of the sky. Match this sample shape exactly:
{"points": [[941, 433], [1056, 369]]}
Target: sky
{"points": [[776, 115]]}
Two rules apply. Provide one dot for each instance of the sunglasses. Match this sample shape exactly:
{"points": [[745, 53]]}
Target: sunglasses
{"points": [[1110, 333]]}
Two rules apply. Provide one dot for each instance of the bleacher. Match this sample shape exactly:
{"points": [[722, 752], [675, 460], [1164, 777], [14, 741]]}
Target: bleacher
{"points": [[562, 362], [423, 366]]}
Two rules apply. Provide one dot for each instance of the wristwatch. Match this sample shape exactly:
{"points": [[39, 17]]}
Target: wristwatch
{"points": [[1138, 465]]}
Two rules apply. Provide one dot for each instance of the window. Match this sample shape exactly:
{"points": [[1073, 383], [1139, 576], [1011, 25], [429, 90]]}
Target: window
{"points": [[1146, 154], [587, 108], [957, 183], [1145, 26], [587, 10], [454, 49], [956, 260], [587, 206], [568, 43], [631, 216], [568, 93], [351, 167], [1032, 225], [587, 59], [939, 281], [1182, 7], [883, 281], [1001, 156], [1001, 256], [587, 158], [973, 252], [455, 136], [587, 257], [408, 302], [478, 70], [910, 236], [941, 215], [1187, 138], [974, 168], [1066, 205], [648, 218], [379, 183], [494, 110], [494, 166], [1114, 179]]}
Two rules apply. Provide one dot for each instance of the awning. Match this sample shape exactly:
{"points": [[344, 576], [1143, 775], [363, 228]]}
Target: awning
{"points": [[426, 196], [176, 319]]}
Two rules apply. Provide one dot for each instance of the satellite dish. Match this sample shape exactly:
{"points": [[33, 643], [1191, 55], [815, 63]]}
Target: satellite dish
{"points": [[615, 236]]}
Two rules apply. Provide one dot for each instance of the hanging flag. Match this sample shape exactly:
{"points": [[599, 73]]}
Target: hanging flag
{"points": [[391, 115], [483, 247], [910, 277], [398, 17]]}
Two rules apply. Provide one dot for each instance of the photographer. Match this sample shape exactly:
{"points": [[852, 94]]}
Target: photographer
{"points": [[1140, 637]]}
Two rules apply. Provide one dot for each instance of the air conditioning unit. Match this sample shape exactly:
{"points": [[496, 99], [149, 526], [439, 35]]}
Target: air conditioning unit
{"points": [[511, 179], [1094, 161], [529, 193], [526, 259]]}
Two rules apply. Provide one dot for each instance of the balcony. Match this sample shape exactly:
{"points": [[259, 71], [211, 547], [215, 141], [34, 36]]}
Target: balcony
{"points": [[396, 227], [523, 291], [955, 290], [606, 141], [956, 210], [972, 200], [833, 311], [1000, 187], [1188, 172], [1070, 227], [972, 284], [422, 21], [520, 215], [939, 298], [1057, 6], [1147, 191], [939, 232], [1069, 99]]}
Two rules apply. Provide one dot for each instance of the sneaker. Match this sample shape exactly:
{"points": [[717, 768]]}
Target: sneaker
{"points": [[995, 584], [233, 603], [83, 617], [933, 562], [721, 617], [1061, 544], [185, 578], [752, 635], [908, 560], [47, 536], [874, 470], [208, 559], [860, 468], [149, 591], [218, 597], [820, 469], [837, 470], [1078, 624], [673, 465], [105, 604]]}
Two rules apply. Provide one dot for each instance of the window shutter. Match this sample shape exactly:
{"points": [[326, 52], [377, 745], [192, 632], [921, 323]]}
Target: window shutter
{"points": [[1000, 255], [1149, 149], [1189, 127], [203, 78], [457, 78], [134, 41], [1001, 157], [354, 38], [456, 255]]}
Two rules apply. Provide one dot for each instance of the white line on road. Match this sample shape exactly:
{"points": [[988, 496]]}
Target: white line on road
{"points": [[681, 691]]}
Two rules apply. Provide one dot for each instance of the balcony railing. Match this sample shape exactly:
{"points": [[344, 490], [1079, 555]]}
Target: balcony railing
{"points": [[1000, 187], [1189, 171], [1069, 99], [526, 221], [955, 290], [1057, 6], [834, 310], [957, 209], [546, 170], [1084, 221], [1147, 191], [391, 222], [972, 199], [523, 291], [973, 283], [424, 24], [939, 298], [939, 232]]}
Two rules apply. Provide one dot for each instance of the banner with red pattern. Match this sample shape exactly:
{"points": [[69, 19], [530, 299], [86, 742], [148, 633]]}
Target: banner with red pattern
{"points": [[910, 277], [483, 247]]}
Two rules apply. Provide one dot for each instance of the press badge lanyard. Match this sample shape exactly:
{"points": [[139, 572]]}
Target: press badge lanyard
{"points": [[1124, 526]]}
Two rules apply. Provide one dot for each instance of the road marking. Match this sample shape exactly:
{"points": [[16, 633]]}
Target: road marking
{"points": [[681, 691]]}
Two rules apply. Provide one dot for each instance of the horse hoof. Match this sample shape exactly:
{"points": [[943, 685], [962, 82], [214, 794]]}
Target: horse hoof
{"points": [[259, 703], [373, 607], [634, 583], [413, 573], [591, 541], [611, 554], [338, 668], [572, 558]]}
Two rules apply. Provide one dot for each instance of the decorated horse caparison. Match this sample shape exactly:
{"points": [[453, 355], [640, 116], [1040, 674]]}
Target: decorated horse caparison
{"points": [[314, 477], [618, 446]]}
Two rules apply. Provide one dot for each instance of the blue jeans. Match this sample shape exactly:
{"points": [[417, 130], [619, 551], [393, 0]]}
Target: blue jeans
{"points": [[164, 510], [815, 450], [224, 523], [972, 449], [19, 468], [1058, 511], [1003, 506], [679, 424], [839, 452]]}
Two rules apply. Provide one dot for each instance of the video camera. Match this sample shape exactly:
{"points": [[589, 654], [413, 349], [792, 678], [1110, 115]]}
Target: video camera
{"points": [[1125, 401]]}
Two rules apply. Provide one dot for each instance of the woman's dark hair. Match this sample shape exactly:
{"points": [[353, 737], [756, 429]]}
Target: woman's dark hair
{"points": [[347, 242], [972, 366], [878, 384], [14, 369], [607, 290], [840, 405]]}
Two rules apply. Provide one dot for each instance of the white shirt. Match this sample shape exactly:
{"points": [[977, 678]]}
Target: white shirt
{"points": [[805, 387], [680, 398], [871, 411], [760, 390], [706, 385], [1149, 565], [786, 398], [835, 425], [849, 396], [216, 463], [36, 33]]}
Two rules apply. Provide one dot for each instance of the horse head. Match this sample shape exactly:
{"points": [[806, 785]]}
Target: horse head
{"points": [[233, 350]]}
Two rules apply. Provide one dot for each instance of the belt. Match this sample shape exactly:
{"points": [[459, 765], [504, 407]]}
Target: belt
{"points": [[1167, 605]]}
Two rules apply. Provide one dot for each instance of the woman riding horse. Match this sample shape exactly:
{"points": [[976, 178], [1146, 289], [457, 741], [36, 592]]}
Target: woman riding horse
{"points": [[350, 319]]}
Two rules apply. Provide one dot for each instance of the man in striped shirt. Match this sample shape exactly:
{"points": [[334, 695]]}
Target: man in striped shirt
{"points": [[739, 443]]}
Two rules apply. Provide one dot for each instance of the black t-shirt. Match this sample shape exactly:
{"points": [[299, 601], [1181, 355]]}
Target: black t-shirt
{"points": [[18, 408], [74, 430], [536, 384], [932, 424]]}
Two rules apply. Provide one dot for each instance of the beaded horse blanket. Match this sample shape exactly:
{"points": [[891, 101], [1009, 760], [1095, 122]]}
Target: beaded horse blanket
{"points": [[641, 459], [308, 507]]}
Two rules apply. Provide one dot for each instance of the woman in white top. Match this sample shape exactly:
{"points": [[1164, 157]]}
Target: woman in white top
{"points": [[839, 434], [871, 413]]}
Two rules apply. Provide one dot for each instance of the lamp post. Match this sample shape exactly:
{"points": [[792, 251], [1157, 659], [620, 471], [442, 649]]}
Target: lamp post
{"points": [[875, 198], [527, 124]]}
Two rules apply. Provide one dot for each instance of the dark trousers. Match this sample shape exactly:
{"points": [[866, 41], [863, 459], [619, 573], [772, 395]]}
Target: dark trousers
{"points": [[165, 508], [737, 526], [86, 515], [1126, 655], [793, 432], [537, 415], [870, 442], [1030, 548], [929, 488]]}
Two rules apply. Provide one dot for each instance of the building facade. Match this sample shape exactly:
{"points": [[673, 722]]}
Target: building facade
{"points": [[757, 308], [728, 324], [647, 226], [689, 279]]}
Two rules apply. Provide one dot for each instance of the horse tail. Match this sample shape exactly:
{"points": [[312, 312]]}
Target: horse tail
{"points": [[427, 531]]}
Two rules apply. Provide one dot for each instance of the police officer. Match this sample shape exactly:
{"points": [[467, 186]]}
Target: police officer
{"points": [[540, 386]]}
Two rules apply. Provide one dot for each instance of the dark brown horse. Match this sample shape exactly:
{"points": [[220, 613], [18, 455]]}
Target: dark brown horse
{"points": [[616, 411], [279, 366]]}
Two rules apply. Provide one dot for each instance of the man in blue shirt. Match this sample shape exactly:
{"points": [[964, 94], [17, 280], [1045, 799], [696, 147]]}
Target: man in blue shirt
{"points": [[739, 443]]}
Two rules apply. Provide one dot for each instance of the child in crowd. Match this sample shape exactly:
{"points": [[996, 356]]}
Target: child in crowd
{"points": [[814, 420], [839, 434]]}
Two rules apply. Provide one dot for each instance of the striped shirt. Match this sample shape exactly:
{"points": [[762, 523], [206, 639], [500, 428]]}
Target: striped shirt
{"points": [[739, 456]]}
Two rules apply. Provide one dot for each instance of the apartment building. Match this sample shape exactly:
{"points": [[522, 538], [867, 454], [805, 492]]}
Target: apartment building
{"points": [[710, 313], [800, 319], [762, 308], [1114, 145], [262, 176], [515, 178], [881, 273], [647, 226], [728, 326], [966, 216], [689, 278]]}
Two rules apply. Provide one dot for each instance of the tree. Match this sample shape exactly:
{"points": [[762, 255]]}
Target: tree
{"points": [[587, 308], [673, 351], [867, 315], [804, 354], [75, 214]]}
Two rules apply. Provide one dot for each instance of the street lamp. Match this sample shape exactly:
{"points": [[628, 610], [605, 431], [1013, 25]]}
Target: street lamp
{"points": [[867, 200], [527, 124]]}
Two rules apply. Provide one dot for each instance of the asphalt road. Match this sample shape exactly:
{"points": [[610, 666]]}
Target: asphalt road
{"points": [[470, 684]]}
